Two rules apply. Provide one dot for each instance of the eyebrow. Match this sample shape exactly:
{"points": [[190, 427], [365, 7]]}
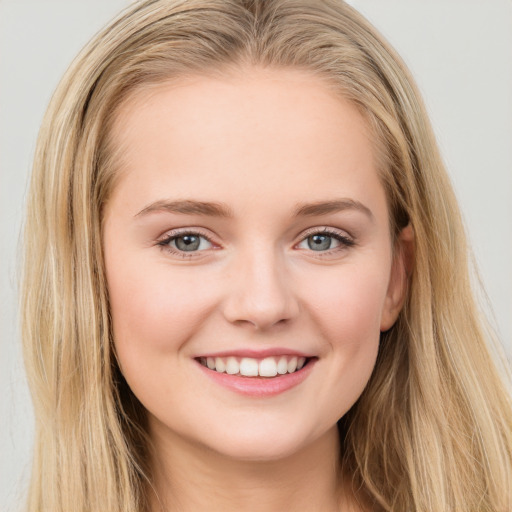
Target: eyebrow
{"points": [[188, 207], [334, 206], [214, 209]]}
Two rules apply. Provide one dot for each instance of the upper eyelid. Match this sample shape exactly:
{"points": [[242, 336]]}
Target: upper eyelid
{"points": [[327, 230], [340, 234], [175, 233], [199, 231]]}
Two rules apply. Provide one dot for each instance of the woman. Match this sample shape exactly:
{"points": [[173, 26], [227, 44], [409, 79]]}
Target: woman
{"points": [[246, 282]]}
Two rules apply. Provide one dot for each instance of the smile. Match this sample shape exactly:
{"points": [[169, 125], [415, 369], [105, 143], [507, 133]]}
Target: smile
{"points": [[257, 374], [252, 367]]}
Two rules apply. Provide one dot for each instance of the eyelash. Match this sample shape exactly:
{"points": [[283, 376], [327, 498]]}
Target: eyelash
{"points": [[345, 241], [165, 243]]}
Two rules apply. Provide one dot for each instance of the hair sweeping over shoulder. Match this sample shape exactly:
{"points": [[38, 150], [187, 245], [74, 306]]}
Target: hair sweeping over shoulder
{"points": [[433, 428]]}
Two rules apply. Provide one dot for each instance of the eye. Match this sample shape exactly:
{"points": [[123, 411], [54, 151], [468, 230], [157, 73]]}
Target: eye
{"points": [[325, 240], [186, 242]]}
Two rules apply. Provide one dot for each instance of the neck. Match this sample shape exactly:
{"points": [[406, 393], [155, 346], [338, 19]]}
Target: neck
{"points": [[190, 477]]}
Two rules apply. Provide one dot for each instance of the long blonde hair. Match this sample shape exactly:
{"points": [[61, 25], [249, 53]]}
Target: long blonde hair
{"points": [[432, 430]]}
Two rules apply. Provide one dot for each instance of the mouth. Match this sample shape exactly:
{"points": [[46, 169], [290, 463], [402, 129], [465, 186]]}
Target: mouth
{"points": [[267, 367], [257, 374]]}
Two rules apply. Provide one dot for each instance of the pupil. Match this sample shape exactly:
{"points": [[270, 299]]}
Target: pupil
{"points": [[187, 242], [319, 242]]}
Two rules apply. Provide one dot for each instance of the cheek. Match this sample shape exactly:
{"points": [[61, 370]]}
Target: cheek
{"points": [[154, 314], [348, 303], [346, 308], [154, 310]]}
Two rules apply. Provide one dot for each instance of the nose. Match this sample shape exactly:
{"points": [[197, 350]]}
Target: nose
{"points": [[260, 292]]}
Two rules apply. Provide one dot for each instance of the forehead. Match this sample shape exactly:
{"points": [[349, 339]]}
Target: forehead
{"points": [[272, 135]]}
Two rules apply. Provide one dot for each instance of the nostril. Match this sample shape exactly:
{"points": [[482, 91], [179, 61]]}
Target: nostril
{"points": [[262, 303]]}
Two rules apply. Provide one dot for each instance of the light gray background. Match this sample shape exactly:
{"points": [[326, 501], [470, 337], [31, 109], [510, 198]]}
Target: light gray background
{"points": [[460, 51]]}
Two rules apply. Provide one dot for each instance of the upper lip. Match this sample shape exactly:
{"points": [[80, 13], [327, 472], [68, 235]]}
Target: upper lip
{"points": [[258, 353]]}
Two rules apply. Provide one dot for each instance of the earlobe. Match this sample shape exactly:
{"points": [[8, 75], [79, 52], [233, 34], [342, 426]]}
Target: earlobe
{"points": [[399, 278]]}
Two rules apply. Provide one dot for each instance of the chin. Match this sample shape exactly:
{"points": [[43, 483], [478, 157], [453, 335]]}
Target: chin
{"points": [[260, 444], [258, 452]]}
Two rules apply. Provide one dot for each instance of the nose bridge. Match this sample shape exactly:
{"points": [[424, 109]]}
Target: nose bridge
{"points": [[261, 292]]}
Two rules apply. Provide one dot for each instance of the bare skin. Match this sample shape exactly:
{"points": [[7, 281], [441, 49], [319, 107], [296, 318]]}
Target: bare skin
{"points": [[251, 486], [292, 253]]}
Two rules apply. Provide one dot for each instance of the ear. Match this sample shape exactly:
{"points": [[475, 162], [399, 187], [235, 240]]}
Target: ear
{"points": [[398, 280]]}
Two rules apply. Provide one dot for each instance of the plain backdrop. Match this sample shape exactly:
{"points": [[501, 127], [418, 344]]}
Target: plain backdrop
{"points": [[460, 52]]}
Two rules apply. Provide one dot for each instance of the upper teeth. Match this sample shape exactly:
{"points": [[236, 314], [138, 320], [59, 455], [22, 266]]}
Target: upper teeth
{"points": [[249, 367]]}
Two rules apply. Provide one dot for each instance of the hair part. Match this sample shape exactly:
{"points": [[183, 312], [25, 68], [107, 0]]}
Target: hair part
{"points": [[432, 430]]}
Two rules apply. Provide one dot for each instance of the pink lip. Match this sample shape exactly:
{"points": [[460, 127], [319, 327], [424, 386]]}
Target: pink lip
{"points": [[258, 354], [259, 386]]}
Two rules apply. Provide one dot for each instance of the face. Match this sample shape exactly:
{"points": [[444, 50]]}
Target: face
{"points": [[249, 260]]}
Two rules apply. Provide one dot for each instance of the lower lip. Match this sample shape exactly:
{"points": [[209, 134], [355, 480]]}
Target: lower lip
{"points": [[259, 386]]}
